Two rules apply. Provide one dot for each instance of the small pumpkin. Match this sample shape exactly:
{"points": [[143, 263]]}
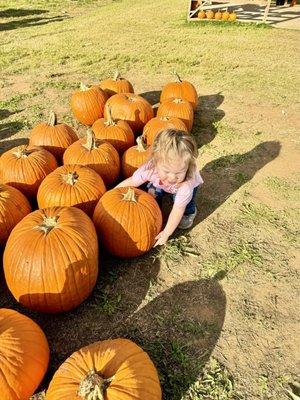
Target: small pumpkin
{"points": [[135, 157], [180, 89], [131, 231], [50, 260], [225, 15], [71, 185], [24, 353], [232, 17], [13, 207], [114, 369], [178, 108], [116, 132], [210, 14], [87, 104], [52, 136], [130, 107], [25, 167], [157, 124], [116, 85], [218, 15], [97, 154], [201, 14]]}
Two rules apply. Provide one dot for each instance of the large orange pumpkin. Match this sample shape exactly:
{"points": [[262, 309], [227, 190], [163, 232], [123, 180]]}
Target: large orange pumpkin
{"points": [[116, 132], [97, 154], [87, 104], [71, 185], [25, 167], [13, 207], [133, 109], [116, 85], [127, 221], [158, 124], [50, 260], [114, 369], [24, 355], [179, 108], [180, 89], [52, 136], [134, 157]]}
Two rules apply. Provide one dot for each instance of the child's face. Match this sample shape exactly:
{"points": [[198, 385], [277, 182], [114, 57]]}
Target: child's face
{"points": [[171, 172]]}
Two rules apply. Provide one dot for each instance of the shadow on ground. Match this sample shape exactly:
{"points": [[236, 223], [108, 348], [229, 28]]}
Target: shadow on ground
{"points": [[29, 22]]}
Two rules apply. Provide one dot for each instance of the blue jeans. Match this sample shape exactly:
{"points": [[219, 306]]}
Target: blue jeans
{"points": [[159, 193]]}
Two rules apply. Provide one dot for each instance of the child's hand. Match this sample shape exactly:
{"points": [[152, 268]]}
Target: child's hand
{"points": [[161, 239]]}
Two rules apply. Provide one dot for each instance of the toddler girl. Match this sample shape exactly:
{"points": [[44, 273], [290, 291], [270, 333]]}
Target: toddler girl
{"points": [[171, 169]]}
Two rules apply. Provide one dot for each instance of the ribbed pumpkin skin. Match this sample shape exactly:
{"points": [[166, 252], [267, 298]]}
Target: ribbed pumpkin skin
{"points": [[127, 228], [13, 207], [56, 271], [114, 86], [26, 173], [132, 159], [135, 377], [84, 193], [183, 90], [158, 124], [104, 159], [178, 108], [53, 138], [133, 109], [24, 353], [88, 105]]}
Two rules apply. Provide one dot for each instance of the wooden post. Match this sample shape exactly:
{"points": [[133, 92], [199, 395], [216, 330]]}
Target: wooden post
{"points": [[266, 12]]}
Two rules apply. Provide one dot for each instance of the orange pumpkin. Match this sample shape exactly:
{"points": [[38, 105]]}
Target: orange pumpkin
{"points": [[56, 267], [52, 136], [130, 231], [13, 207], [25, 167], [71, 185], [178, 108], [134, 157], [201, 14], [232, 17], [24, 354], [133, 109], [116, 85], [210, 14], [225, 15], [158, 124], [218, 15], [97, 154], [181, 89], [114, 369], [87, 104], [116, 132]]}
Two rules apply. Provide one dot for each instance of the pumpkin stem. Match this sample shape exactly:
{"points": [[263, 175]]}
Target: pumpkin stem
{"points": [[90, 143], [48, 224], [117, 75], [22, 152], [141, 145], [177, 100], [93, 386], [109, 121], [164, 118], [70, 178], [177, 76], [83, 87], [129, 195], [52, 121]]}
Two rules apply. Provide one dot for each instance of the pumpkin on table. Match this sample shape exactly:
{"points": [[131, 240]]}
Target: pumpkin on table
{"points": [[116, 132], [218, 15], [116, 85], [158, 124], [130, 107], [135, 157], [97, 154], [127, 220], [114, 369], [24, 355], [180, 89], [87, 104], [52, 136], [25, 167], [225, 15], [13, 207], [178, 108], [50, 260]]}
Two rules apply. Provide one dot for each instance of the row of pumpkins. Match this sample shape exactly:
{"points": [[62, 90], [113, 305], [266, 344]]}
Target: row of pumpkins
{"points": [[50, 255], [218, 16]]}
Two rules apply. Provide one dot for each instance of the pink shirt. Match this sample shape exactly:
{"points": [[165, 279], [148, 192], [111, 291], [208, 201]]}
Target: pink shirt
{"points": [[183, 191]]}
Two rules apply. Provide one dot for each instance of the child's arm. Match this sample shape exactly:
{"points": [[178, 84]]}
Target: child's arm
{"points": [[128, 182], [172, 223]]}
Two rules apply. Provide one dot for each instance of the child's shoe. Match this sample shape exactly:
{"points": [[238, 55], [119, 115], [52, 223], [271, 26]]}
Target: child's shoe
{"points": [[187, 220]]}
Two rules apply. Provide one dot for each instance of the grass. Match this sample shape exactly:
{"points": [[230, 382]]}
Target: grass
{"points": [[177, 249]]}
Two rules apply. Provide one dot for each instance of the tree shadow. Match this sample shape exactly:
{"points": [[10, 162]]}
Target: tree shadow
{"points": [[20, 12], [28, 22], [10, 144], [8, 129], [7, 113]]}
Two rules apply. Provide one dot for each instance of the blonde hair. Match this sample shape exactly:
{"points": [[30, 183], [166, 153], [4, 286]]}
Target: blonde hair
{"points": [[174, 143]]}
